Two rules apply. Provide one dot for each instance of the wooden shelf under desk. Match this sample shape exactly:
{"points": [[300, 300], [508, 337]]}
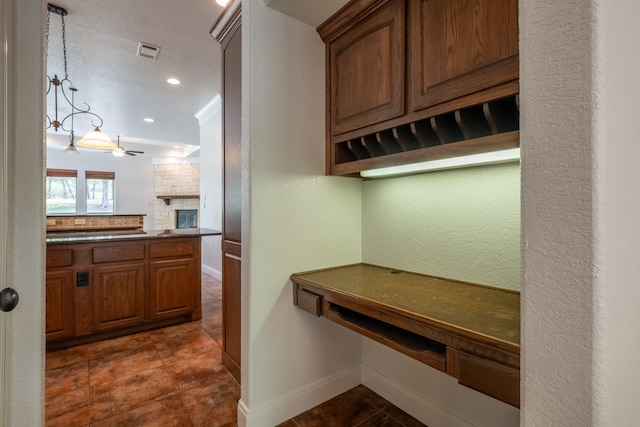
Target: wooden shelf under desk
{"points": [[469, 331]]}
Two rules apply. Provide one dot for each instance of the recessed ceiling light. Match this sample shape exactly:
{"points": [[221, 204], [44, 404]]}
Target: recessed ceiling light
{"points": [[176, 146], [173, 81], [148, 119], [222, 3]]}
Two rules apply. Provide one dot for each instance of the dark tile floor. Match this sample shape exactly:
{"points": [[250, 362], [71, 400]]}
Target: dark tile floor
{"points": [[174, 377]]}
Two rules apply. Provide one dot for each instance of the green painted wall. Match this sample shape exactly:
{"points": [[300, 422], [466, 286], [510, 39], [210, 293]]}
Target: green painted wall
{"points": [[462, 224]]}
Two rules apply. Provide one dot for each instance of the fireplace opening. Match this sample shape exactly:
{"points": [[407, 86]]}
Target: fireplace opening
{"points": [[186, 218]]}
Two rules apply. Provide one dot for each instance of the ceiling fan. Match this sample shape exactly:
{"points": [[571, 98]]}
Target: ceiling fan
{"points": [[121, 151]]}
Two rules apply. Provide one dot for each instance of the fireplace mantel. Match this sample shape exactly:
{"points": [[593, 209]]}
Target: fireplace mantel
{"points": [[167, 198]]}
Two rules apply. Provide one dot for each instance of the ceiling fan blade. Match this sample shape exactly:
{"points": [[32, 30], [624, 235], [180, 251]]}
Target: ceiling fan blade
{"points": [[133, 151], [129, 153]]}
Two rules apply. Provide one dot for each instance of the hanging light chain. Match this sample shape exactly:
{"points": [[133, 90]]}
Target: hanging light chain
{"points": [[64, 48]]}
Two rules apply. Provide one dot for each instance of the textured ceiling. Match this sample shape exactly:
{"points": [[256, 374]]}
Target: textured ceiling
{"points": [[102, 40]]}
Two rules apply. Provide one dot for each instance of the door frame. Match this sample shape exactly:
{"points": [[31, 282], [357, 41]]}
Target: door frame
{"points": [[22, 110]]}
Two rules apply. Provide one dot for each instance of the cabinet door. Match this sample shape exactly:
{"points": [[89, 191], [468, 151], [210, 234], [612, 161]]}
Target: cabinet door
{"points": [[459, 47], [59, 304], [367, 70], [231, 308], [172, 286], [117, 295]]}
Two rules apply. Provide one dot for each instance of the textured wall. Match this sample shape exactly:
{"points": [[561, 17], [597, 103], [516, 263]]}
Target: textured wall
{"points": [[461, 224], [294, 219], [557, 143]]}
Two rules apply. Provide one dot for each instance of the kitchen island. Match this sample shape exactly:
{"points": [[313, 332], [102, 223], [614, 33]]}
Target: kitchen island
{"points": [[104, 284]]}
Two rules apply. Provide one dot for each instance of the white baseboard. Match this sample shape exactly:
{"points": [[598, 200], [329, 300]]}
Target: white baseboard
{"points": [[212, 272], [299, 400], [409, 401]]}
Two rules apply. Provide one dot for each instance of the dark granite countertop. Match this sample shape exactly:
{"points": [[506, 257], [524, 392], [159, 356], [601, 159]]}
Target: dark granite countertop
{"points": [[107, 236]]}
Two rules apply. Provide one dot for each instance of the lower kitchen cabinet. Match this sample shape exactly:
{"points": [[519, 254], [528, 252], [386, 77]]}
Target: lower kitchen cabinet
{"points": [[59, 304], [97, 289], [171, 290], [118, 296]]}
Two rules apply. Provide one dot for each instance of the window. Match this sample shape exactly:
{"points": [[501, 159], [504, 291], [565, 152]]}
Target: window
{"points": [[100, 192], [61, 191]]}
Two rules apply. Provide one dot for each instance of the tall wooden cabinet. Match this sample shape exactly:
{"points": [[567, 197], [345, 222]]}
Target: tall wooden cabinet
{"points": [[228, 33]]}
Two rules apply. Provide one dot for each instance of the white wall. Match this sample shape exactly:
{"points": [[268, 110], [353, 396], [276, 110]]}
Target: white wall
{"points": [[210, 120], [294, 219], [134, 180], [617, 91]]}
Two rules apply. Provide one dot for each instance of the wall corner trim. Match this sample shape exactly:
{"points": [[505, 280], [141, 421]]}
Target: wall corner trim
{"points": [[299, 400], [210, 108], [424, 410]]}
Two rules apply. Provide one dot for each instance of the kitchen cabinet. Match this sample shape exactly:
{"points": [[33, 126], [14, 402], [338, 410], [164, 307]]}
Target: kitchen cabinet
{"points": [[59, 292], [228, 32], [117, 295], [170, 284], [417, 80], [461, 47], [59, 303], [103, 286], [368, 55], [468, 331]]}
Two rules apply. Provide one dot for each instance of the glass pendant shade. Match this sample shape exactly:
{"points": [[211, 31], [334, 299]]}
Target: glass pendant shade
{"points": [[97, 140], [71, 149]]}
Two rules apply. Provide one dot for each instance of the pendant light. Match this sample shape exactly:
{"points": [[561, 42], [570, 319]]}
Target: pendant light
{"points": [[71, 149], [95, 139]]}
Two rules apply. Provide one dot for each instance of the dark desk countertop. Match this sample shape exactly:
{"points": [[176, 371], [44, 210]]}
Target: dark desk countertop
{"points": [[106, 236]]}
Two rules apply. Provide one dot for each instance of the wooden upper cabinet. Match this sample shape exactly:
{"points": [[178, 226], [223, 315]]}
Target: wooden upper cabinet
{"points": [[417, 80], [460, 47], [367, 68]]}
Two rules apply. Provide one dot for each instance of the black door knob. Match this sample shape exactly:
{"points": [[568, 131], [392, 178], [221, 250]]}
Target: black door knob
{"points": [[8, 299]]}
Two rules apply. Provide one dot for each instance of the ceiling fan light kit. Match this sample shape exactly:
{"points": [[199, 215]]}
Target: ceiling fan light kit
{"points": [[121, 151], [94, 139]]}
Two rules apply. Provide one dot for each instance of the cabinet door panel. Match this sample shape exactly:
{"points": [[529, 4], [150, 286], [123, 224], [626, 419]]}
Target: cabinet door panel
{"points": [[459, 47], [232, 58], [59, 304], [231, 307], [172, 287], [366, 66], [118, 295]]}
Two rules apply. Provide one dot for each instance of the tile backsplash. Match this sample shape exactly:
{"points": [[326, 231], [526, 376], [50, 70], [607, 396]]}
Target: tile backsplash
{"points": [[94, 222]]}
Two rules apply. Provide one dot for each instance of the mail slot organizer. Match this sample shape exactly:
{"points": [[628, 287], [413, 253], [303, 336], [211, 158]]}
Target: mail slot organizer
{"points": [[469, 331]]}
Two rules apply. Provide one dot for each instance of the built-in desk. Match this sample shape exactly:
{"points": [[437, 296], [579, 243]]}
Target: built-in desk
{"points": [[469, 331]]}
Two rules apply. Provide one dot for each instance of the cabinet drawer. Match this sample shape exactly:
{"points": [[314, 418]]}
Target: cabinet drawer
{"points": [[118, 253], [491, 378], [309, 302], [59, 257], [171, 249]]}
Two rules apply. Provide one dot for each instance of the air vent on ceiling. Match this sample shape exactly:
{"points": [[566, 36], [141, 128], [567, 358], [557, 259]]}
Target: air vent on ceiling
{"points": [[147, 50]]}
